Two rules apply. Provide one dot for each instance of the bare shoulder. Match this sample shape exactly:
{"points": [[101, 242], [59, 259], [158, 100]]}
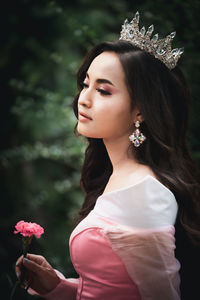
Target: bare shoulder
{"points": [[131, 177], [142, 172]]}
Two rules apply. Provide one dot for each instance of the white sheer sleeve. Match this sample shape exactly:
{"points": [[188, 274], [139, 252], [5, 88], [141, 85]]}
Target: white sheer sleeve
{"points": [[143, 236], [148, 256]]}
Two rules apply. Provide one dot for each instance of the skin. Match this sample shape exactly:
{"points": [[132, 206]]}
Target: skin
{"points": [[39, 273], [112, 118], [109, 107]]}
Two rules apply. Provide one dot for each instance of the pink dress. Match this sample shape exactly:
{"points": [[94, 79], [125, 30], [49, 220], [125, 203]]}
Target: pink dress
{"points": [[124, 248]]}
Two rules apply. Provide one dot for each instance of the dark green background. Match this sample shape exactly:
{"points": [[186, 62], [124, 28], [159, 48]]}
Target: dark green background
{"points": [[42, 45]]}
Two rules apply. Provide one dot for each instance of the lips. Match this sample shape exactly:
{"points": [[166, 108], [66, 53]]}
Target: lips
{"points": [[84, 115]]}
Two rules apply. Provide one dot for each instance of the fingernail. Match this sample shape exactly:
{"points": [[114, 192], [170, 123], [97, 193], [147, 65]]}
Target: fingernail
{"points": [[25, 260], [18, 274]]}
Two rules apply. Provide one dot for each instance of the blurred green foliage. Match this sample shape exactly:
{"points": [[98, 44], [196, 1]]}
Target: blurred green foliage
{"points": [[43, 45]]}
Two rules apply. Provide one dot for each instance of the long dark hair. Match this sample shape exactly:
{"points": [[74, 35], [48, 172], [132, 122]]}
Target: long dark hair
{"points": [[162, 96]]}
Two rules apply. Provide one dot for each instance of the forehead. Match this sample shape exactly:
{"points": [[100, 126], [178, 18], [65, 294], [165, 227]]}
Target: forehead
{"points": [[107, 65]]}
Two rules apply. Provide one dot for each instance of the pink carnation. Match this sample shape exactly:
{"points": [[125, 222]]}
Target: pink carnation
{"points": [[29, 229]]}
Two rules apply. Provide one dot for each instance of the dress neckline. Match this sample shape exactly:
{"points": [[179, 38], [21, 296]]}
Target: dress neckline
{"points": [[148, 176]]}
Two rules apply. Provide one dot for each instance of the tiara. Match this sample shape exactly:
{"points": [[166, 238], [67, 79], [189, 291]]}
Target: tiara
{"points": [[160, 49]]}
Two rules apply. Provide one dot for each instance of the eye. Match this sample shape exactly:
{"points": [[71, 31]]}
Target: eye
{"points": [[103, 92]]}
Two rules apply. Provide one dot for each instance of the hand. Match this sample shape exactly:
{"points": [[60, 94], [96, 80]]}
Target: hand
{"points": [[40, 275]]}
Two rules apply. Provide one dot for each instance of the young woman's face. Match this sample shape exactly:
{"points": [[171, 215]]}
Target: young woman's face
{"points": [[105, 100]]}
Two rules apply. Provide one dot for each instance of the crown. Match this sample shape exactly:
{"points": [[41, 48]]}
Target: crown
{"points": [[160, 49]]}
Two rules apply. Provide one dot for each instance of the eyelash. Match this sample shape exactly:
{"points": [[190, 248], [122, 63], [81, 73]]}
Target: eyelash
{"points": [[102, 92]]}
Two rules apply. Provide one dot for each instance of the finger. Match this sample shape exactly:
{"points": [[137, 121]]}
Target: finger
{"points": [[18, 266], [17, 270], [18, 274], [36, 258], [19, 261], [32, 266]]}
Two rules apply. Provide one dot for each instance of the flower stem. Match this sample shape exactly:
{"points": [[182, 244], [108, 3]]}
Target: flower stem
{"points": [[26, 243], [14, 288]]}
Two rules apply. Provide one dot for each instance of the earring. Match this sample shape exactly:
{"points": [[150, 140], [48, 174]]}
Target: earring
{"points": [[137, 137]]}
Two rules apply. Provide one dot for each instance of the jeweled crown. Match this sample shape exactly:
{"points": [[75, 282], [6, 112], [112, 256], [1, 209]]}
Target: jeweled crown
{"points": [[161, 49]]}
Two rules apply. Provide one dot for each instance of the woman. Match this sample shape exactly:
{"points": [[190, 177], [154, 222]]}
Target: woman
{"points": [[138, 175]]}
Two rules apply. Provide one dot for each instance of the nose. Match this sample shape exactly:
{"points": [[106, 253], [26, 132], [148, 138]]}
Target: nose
{"points": [[85, 98]]}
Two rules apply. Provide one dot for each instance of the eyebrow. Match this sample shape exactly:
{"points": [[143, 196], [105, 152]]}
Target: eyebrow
{"points": [[101, 80]]}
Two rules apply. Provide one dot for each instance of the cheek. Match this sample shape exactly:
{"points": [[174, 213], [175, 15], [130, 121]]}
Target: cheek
{"points": [[113, 118], [118, 114]]}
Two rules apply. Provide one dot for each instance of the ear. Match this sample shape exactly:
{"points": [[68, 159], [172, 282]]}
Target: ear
{"points": [[140, 117], [137, 116]]}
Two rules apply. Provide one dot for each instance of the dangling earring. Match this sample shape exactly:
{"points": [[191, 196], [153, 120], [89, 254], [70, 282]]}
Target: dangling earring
{"points": [[137, 137]]}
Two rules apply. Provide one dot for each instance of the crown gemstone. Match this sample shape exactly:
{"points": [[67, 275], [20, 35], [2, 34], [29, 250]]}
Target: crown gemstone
{"points": [[150, 29], [172, 35], [131, 33], [160, 51], [137, 17], [142, 31], [126, 23], [181, 50], [175, 51], [155, 38]]}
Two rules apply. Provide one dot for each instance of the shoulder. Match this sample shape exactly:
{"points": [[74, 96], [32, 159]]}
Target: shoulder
{"points": [[126, 179], [146, 204], [141, 173]]}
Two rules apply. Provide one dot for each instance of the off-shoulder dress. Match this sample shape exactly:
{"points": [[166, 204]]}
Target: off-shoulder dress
{"points": [[124, 248]]}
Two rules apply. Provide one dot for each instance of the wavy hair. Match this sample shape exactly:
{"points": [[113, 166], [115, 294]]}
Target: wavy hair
{"points": [[162, 96]]}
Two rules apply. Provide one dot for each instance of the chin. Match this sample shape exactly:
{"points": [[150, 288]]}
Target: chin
{"points": [[87, 133], [83, 132]]}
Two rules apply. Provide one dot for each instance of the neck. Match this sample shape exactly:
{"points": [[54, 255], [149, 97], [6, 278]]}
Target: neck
{"points": [[121, 159]]}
